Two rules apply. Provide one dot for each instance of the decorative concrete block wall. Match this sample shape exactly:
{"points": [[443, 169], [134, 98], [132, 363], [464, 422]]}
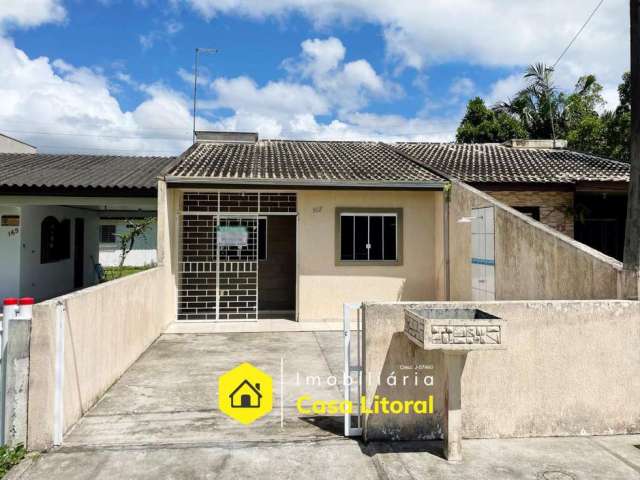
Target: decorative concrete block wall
{"points": [[451, 328]]}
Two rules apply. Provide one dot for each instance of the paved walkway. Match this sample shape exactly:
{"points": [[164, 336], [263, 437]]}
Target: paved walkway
{"points": [[160, 420]]}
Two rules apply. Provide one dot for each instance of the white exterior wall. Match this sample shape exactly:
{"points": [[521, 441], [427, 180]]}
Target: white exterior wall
{"points": [[43, 281], [144, 251], [9, 256]]}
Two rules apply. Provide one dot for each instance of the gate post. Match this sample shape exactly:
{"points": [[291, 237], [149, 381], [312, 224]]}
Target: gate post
{"points": [[16, 339], [349, 431]]}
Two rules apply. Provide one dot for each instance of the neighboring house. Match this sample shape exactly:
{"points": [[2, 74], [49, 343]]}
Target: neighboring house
{"points": [[50, 211], [12, 145], [580, 195], [144, 250]]}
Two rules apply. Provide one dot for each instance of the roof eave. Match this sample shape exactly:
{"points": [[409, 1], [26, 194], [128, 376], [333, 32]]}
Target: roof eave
{"points": [[208, 181]]}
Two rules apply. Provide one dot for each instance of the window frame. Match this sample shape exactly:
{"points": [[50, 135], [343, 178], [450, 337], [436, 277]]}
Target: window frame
{"points": [[115, 231], [369, 212]]}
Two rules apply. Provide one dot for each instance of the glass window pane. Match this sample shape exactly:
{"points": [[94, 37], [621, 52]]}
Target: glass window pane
{"points": [[362, 237], [262, 239], [375, 238], [346, 238], [390, 234]]}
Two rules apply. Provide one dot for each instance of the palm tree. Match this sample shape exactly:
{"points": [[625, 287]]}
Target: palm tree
{"points": [[538, 106]]}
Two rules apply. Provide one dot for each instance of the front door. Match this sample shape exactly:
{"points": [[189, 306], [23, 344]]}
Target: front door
{"points": [[78, 253]]}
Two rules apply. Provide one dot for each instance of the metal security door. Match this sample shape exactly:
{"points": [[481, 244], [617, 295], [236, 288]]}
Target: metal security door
{"points": [[236, 266], [353, 371]]}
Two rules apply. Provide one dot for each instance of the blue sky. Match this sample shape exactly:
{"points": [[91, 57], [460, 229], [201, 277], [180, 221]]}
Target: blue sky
{"points": [[115, 75]]}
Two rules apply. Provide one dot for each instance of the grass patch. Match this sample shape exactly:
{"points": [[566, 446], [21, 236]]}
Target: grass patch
{"points": [[111, 273], [9, 457]]}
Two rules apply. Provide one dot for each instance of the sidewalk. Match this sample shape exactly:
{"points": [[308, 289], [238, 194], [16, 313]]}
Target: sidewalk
{"points": [[588, 458]]}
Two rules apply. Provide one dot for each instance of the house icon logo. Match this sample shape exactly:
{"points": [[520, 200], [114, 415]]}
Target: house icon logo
{"points": [[245, 393]]}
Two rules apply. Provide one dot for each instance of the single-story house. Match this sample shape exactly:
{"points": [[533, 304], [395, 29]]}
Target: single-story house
{"points": [[298, 228], [580, 195], [51, 208]]}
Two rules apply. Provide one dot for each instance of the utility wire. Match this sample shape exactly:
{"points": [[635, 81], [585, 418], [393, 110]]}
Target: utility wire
{"points": [[578, 33], [67, 149], [564, 52], [13, 123]]}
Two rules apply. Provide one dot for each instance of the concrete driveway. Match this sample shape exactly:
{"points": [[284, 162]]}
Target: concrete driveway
{"points": [[161, 420]]}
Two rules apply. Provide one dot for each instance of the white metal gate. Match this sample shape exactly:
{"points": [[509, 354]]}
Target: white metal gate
{"points": [[236, 264], [218, 266], [353, 368], [218, 281]]}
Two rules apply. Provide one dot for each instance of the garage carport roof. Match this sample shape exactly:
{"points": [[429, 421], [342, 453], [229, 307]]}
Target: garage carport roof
{"points": [[43, 173], [302, 163]]}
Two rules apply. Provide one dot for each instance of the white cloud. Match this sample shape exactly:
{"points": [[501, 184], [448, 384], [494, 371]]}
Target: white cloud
{"points": [[279, 99], [76, 108], [488, 32], [505, 89], [348, 86], [30, 13], [321, 56], [147, 40], [335, 89], [186, 76], [172, 27], [169, 29], [288, 109]]}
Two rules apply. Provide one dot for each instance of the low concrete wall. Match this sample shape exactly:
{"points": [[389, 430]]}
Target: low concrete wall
{"points": [[533, 261], [107, 327], [569, 368]]}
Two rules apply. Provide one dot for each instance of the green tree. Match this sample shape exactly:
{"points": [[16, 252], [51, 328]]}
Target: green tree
{"points": [[618, 123], [584, 102], [584, 128], [579, 116], [127, 240], [483, 125]]}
